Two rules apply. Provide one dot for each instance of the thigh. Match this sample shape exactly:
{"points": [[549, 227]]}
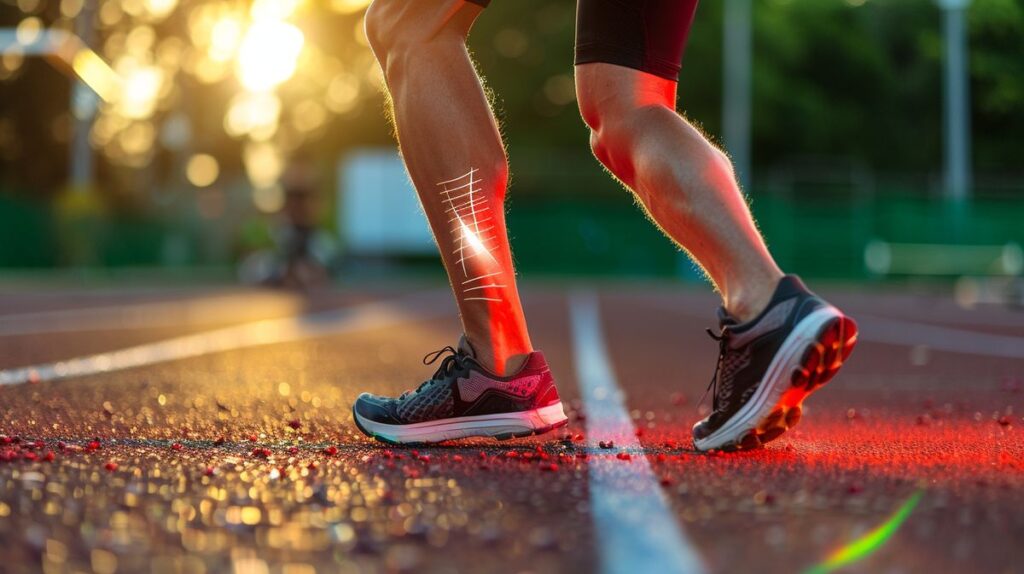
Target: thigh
{"points": [[392, 23], [646, 35]]}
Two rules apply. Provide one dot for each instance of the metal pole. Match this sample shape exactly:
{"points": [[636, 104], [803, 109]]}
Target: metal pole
{"points": [[83, 108], [736, 91], [956, 103]]}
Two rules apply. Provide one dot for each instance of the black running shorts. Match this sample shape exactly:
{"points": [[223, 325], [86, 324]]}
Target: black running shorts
{"points": [[646, 35]]}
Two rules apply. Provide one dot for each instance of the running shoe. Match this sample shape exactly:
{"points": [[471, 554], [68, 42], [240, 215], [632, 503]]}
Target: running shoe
{"points": [[464, 399], [769, 365]]}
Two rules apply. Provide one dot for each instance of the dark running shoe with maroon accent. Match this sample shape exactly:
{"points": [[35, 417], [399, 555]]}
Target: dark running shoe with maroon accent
{"points": [[463, 399], [770, 364]]}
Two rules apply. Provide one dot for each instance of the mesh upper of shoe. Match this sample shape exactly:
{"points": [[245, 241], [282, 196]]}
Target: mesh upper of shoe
{"points": [[471, 387], [739, 354], [430, 403], [437, 398], [735, 385], [733, 363]]}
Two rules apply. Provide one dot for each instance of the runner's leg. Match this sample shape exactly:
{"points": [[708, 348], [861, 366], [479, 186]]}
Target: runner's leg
{"points": [[627, 96], [453, 151]]}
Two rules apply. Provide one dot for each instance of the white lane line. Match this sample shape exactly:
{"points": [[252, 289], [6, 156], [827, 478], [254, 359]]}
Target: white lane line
{"points": [[266, 332], [636, 531], [216, 308], [897, 332]]}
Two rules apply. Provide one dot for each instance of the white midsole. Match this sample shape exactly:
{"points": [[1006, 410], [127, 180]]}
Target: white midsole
{"points": [[461, 427], [775, 383]]}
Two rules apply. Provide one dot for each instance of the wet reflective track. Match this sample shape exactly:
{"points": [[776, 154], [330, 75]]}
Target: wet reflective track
{"points": [[236, 452]]}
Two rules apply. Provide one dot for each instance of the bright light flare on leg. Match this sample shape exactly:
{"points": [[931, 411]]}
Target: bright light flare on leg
{"points": [[474, 242]]}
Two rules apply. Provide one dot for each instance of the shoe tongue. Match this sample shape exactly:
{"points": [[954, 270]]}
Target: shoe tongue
{"points": [[788, 286], [725, 319], [466, 348]]}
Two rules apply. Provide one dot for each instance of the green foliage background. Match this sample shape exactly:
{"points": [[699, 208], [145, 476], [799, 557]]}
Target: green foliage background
{"points": [[847, 128], [858, 83]]}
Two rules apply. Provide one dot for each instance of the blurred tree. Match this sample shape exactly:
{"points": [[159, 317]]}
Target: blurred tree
{"points": [[997, 72], [856, 81], [853, 81], [838, 79]]}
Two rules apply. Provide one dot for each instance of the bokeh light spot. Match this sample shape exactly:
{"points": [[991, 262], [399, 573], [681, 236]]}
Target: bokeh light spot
{"points": [[141, 87], [202, 170], [268, 199], [268, 54], [254, 114], [71, 8], [349, 6], [28, 30], [263, 164]]}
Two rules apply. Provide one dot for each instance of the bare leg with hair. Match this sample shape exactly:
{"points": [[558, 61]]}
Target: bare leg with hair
{"points": [[453, 151], [685, 183], [778, 342]]}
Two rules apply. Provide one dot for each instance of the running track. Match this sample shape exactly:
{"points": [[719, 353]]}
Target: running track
{"points": [[208, 430]]}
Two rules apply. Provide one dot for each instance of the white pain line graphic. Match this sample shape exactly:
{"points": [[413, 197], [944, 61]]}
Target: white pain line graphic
{"points": [[636, 531], [267, 332], [472, 231], [481, 277]]}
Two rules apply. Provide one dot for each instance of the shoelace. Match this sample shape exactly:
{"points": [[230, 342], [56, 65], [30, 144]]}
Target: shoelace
{"points": [[452, 361], [723, 346]]}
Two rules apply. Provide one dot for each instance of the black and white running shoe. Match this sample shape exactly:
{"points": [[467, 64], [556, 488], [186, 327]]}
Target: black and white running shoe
{"points": [[769, 365], [463, 399]]}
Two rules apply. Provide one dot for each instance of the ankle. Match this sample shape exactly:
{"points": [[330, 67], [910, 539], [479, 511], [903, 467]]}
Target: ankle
{"points": [[748, 301], [502, 366]]}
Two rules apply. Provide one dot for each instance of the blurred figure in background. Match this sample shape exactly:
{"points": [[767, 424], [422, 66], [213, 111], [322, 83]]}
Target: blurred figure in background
{"points": [[303, 254]]}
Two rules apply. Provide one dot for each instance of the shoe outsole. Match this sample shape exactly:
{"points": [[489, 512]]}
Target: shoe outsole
{"points": [[499, 437], [819, 363], [535, 432]]}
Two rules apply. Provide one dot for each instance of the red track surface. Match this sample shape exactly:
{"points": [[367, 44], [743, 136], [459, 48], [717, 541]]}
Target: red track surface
{"points": [[249, 458]]}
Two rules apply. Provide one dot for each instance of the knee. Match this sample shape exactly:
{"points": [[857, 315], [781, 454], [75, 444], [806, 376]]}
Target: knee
{"points": [[591, 107], [398, 29], [597, 146], [386, 24], [603, 124], [614, 130], [611, 141]]}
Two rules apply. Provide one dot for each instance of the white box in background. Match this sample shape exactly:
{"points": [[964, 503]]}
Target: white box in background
{"points": [[378, 211]]}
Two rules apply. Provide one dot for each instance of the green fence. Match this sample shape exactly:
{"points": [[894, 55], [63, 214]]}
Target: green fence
{"points": [[815, 234], [27, 237], [35, 235]]}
